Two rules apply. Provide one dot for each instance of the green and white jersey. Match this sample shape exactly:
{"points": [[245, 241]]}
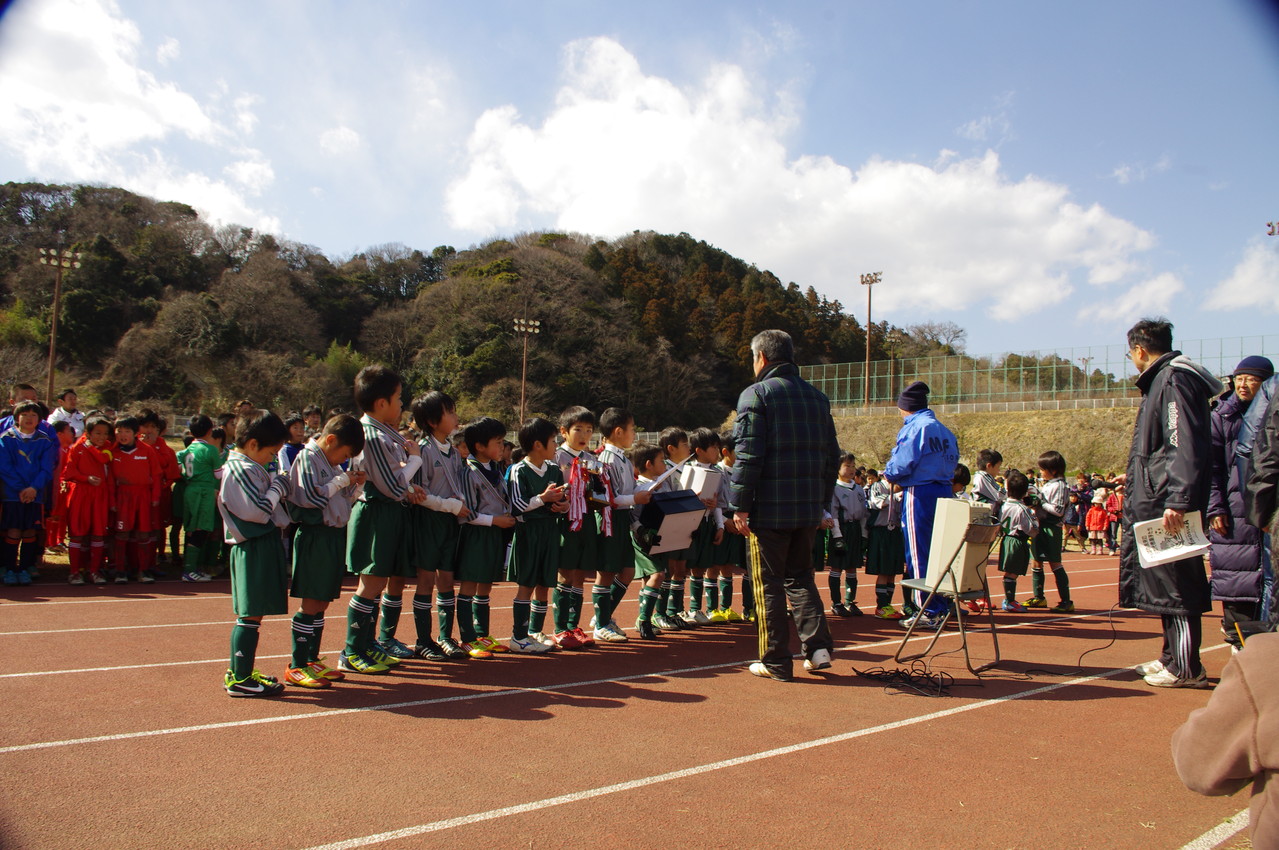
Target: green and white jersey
{"points": [[486, 495], [200, 462], [250, 499], [441, 476], [621, 475], [319, 490], [389, 467], [527, 485]]}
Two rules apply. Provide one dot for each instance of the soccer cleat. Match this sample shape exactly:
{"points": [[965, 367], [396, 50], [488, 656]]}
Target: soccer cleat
{"points": [[567, 640], [453, 650], [923, 620], [1165, 678], [145, 578], [909, 610], [395, 648], [305, 677], [475, 650], [732, 616], [718, 616], [583, 638], [356, 663], [853, 610], [1036, 602], [819, 661], [528, 645], [196, 576], [545, 640], [253, 685], [121, 577], [97, 578], [320, 668], [491, 644], [838, 609], [645, 630], [757, 668], [612, 624], [1149, 668], [607, 634], [24, 577], [1064, 607], [974, 606], [664, 623], [377, 656], [430, 650], [888, 612], [76, 579], [750, 617], [688, 619], [1013, 607], [700, 618]]}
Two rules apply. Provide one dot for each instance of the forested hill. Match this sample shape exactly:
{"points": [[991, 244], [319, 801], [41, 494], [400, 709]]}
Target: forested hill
{"points": [[166, 307]]}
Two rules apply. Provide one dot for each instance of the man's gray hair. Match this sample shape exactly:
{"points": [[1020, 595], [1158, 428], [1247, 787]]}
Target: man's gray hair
{"points": [[775, 345]]}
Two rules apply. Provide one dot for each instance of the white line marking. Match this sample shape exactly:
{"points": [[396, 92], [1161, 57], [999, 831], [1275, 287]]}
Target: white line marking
{"points": [[1216, 835], [590, 793]]}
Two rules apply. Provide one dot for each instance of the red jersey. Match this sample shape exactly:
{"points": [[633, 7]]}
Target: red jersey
{"points": [[138, 467], [84, 460], [169, 469]]}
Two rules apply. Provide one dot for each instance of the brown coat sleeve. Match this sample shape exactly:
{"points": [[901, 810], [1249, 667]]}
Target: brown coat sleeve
{"points": [[1215, 750]]}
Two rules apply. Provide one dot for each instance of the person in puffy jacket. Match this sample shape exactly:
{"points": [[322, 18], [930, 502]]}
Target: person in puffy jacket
{"points": [[1169, 474]]}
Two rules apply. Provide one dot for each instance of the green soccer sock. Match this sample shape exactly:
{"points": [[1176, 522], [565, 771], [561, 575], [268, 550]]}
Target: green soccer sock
{"points": [[445, 610], [726, 593], [317, 636], [244, 648], [618, 591], [832, 582], [303, 638], [1010, 587], [537, 616], [1037, 582], [884, 594], [422, 621], [391, 607], [481, 615], [1063, 582], [465, 618], [647, 604], [578, 598], [675, 602], [358, 611], [562, 602], [850, 588], [695, 588], [519, 619], [711, 589], [602, 600], [664, 596]]}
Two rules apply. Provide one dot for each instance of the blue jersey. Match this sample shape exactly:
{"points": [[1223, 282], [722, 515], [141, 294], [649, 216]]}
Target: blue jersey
{"points": [[926, 452]]}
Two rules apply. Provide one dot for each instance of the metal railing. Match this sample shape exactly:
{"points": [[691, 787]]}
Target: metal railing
{"points": [[1098, 375]]}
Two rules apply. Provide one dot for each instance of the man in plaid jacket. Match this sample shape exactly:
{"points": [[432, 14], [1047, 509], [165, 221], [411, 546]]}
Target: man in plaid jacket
{"points": [[783, 479]]}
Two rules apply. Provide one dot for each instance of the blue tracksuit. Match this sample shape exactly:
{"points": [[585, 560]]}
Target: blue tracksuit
{"points": [[923, 464]]}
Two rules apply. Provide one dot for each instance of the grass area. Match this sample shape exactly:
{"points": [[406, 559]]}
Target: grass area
{"points": [[1093, 440]]}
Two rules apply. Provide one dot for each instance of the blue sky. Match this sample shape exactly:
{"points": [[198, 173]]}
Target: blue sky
{"points": [[1040, 174]]}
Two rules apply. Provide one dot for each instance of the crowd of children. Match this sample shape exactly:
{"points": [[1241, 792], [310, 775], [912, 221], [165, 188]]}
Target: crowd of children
{"points": [[296, 504]]}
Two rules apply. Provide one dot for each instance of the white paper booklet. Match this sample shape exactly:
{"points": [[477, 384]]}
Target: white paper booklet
{"points": [[1156, 545], [703, 482]]}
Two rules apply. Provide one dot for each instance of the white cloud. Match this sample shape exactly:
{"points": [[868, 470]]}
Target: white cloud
{"points": [[168, 50], [1137, 173], [1254, 283], [339, 141], [1148, 298], [76, 106], [621, 150], [995, 128], [252, 174]]}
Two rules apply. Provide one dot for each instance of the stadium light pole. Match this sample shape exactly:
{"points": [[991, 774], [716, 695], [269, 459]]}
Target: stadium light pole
{"points": [[868, 281], [526, 327], [59, 260]]}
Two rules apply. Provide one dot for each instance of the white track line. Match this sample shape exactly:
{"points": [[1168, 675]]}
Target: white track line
{"points": [[591, 793], [1229, 827]]}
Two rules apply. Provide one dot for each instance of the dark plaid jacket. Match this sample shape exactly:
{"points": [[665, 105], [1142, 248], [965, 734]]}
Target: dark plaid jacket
{"points": [[787, 453]]}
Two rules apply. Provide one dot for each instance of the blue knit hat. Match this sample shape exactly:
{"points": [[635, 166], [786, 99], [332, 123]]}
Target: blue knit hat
{"points": [[1255, 365], [914, 397]]}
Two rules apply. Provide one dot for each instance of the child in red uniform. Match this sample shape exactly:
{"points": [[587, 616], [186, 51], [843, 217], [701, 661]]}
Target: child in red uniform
{"points": [[135, 469], [151, 431], [88, 479], [55, 524], [1096, 522]]}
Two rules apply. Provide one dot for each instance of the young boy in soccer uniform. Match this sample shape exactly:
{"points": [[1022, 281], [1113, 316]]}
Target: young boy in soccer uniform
{"points": [[252, 516], [848, 510], [200, 463], [704, 444], [378, 544], [482, 544], [151, 430], [319, 503], [730, 554], [136, 473], [885, 547], [537, 500], [674, 445], [435, 537], [1020, 527], [985, 488], [89, 490], [579, 549], [650, 462], [616, 543], [26, 469], [55, 521], [1053, 494]]}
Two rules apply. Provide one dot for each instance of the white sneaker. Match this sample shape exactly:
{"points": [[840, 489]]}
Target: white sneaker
{"points": [[701, 619], [608, 635], [1149, 668], [612, 624], [527, 645], [540, 637], [1166, 679], [819, 661], [757, 668], [687, 617]]}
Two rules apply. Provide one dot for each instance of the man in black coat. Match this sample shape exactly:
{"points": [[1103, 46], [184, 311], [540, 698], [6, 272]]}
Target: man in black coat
{"points": [[1169, 474]]}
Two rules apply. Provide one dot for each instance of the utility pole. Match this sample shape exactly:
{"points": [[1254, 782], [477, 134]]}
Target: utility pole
{"points": [[527, 327], [868, 281], [59, 260]]}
